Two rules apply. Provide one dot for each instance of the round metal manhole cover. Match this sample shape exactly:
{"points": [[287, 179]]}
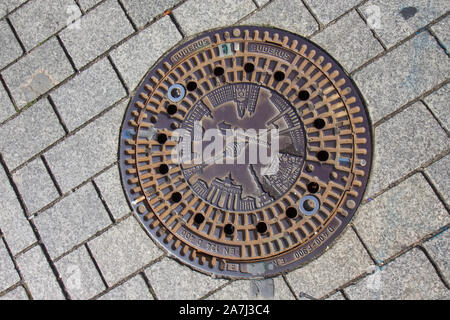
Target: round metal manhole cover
{"points": [[246, 151]]}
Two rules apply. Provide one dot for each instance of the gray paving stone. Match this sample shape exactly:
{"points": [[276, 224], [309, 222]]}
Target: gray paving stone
{"points": [[296, 17], [327, 10], [79, 275], [198, 15], [37, 20], [87, 4], [409, 277], [439, 172], [395, 20], [72, 220], [8, 273], [122, 250], [39, 276], [438, 248], [173, 281], [29, 133], [261, 2], [133, 289], [6, 106], [89, 151], [337, 296], [17, 294], [111, 189], [37, 72], [241, 290], [141, 13], [438, 103], [13, 223], [400, 217], [99, 30], [402, 75], [344, 261], [35, 185], [135, 57], [6, 6], [411, 148], [350, 41], [88, 94], [441, 29], [11, 49]]}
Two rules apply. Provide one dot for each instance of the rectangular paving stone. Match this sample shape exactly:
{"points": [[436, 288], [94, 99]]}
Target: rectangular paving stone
{"points": [[438, 248], [241, 290], [8, 273], [35, 185], [438, 103], [396, 20], [87, 4], [400, 217], [343, 262], [37, 72], [133, 289], [122, 250], [100, 29], [79, 275], [409, 277], [112, 192], [39, 276], [72, 220], [134, 58], [141, 13], [89, 151], [296, 17], [439, 172], [402, 75], [349, 41], [88, 94], [411, 148], [198, 15], [6, 106], [442, 31], [6, 6], [173, 281], [327, 10], [11, 49], [33, 130], [17, 294], [13, 223], [37, 20]]}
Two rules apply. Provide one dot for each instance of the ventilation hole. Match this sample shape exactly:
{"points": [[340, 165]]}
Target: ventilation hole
{"points": [[229, 229], [162, 138], [303, 95], [163, 169], [291, 212], [191, 86], [261, 227], [313, 187], [172, 109], [279, 76], [199, 218], [323, 155], [319, 123], [249, 67], [176, 197], [219, 71]]}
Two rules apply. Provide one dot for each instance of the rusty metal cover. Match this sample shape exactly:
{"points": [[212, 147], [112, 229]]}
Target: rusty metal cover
{"points": [[246, 219]]}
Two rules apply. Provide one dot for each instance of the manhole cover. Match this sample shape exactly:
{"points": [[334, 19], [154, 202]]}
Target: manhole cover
{"points": [[246, 151]]}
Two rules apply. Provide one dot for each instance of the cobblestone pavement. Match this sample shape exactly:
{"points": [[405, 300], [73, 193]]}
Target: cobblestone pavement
{"points": [[66, 229]]}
